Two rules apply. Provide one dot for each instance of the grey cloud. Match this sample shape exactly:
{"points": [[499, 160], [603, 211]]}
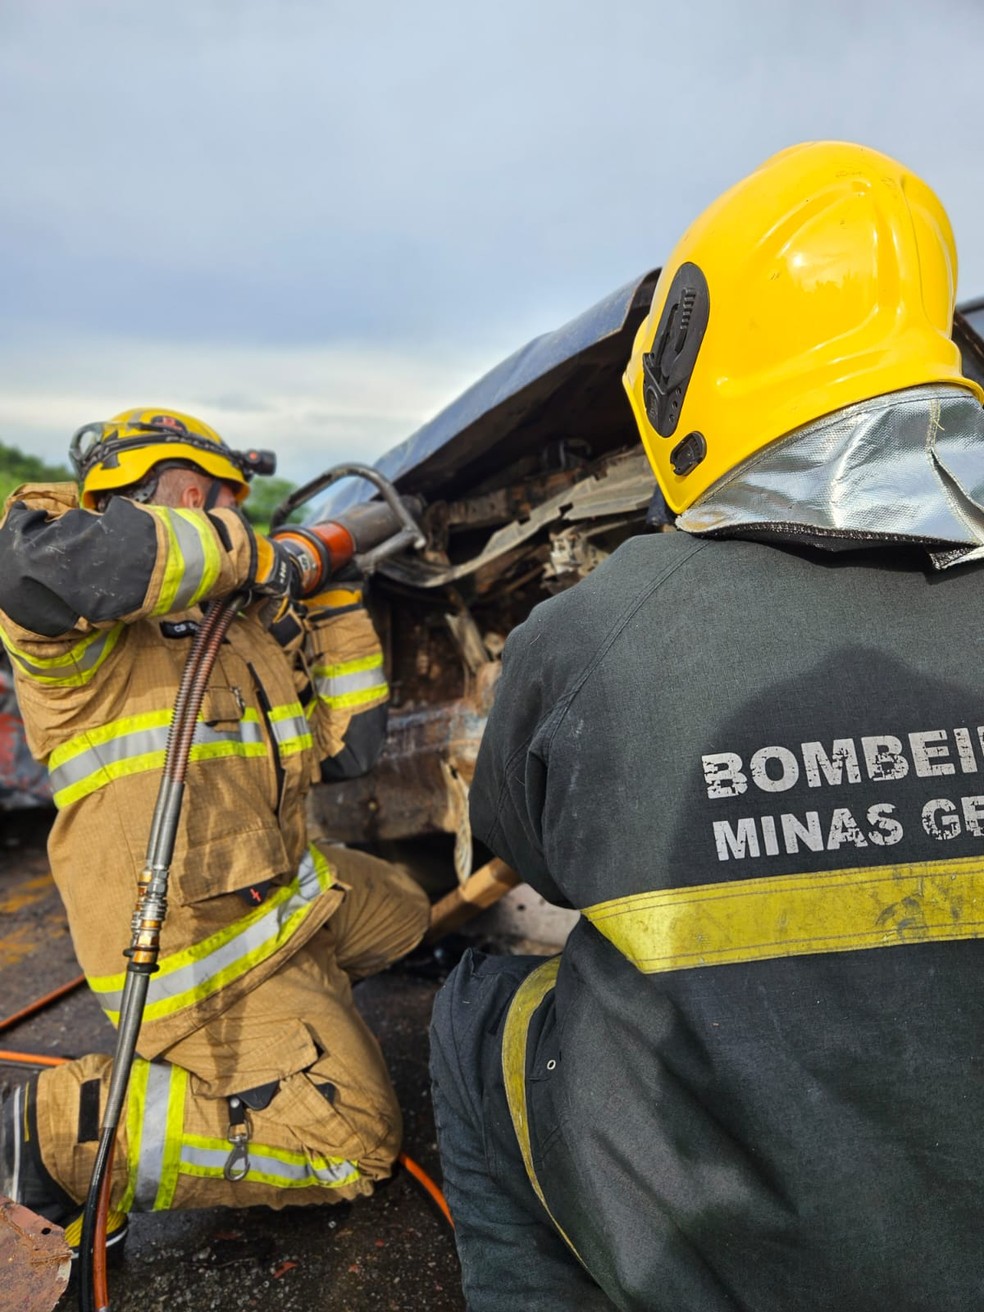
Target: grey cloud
{"points": [[310, 172], [238, 403], [436, 182]]}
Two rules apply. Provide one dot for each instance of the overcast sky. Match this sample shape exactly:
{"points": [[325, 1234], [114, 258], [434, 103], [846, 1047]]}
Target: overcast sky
{"points": [[313, 223]]}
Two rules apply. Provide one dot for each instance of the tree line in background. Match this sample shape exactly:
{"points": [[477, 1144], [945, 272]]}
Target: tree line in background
{"points": [[16, 468]]}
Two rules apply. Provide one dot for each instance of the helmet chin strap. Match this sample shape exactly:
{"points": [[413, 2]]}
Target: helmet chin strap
{"points": [[215, 487]]}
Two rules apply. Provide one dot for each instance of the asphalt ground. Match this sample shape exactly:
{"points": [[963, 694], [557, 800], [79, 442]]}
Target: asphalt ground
{"points": [[393, 1251]]}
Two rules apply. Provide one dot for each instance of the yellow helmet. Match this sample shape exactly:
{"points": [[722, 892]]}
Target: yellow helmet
{"points": [[825, 277], [119, 453]]}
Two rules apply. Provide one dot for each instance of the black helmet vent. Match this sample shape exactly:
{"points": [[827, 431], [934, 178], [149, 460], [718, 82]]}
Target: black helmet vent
{"points": [[669, 364]]}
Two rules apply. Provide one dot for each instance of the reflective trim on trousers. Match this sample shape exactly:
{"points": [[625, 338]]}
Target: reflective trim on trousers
{"points": [[353, 683], [155, 1120], [187, 977], [159, 1151], [192, 564], [796, 915], [71, 669], [527, 999], [137, 743], [272, 1166]]}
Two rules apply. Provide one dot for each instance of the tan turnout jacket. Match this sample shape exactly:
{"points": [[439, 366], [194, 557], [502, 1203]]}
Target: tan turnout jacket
{"points": [[246, 891]]}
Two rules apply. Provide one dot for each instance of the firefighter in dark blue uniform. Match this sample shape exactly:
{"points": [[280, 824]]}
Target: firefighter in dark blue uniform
{"points": [[751, 753]]}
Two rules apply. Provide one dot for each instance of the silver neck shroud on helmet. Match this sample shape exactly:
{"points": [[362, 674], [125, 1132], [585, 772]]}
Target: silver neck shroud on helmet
{"points": [[904, 467]]}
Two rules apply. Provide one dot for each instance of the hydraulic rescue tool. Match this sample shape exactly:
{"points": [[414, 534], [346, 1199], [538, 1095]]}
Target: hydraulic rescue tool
{"points": [[363, 537]]}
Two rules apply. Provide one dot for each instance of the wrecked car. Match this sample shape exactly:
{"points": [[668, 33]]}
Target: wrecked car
{"points": [[528, 481]]}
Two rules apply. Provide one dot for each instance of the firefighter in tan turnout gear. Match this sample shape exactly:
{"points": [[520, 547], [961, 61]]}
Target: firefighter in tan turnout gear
{"points": [[752, 754], [249, 1021]]}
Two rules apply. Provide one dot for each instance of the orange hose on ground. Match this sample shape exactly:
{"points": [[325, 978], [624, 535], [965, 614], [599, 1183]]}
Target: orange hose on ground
{"points": [[32, 1059], [32, 1007], [422, 1178]]}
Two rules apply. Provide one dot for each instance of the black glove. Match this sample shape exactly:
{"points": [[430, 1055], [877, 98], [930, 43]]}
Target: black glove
{"points": [[277, 576], [277, 572]]}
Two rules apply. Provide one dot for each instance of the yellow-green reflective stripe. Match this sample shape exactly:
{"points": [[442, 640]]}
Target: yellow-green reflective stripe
{"points": [[314, 873], [279, 1167], [174, 564], [796, 915], [171, 1158], [64, 659], [157, 1094], [351, 683], [529, 995], [355, 698], [105, 732], [127, 724], [212, 564], [373, 662], [290, 728], [83, 660], [135, 1101], [152, 761], [137, 743], [197, 972], [192, 563], [155, 1119]]}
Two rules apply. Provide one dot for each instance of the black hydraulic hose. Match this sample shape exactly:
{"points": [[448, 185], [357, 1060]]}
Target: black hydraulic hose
{"points": [[148, 920]]}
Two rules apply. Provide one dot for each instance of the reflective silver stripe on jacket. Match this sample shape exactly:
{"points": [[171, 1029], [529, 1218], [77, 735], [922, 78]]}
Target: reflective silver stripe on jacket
{"points": [[189, 538], [139, 744], [351, 683], [187, 977], [290, 728], [192, 563], [73, 668]]}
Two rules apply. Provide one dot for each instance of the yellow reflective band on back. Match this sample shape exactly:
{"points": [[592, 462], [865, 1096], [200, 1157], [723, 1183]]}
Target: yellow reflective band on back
{"points": [[529, 995], [83, 660], [796, 915]]}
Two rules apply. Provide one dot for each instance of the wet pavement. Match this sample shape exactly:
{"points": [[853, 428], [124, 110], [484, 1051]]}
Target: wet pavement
{"points": [[393, 1251]]}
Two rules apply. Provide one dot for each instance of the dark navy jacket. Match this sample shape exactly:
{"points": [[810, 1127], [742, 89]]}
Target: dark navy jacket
{"points": [[778, 1103]]}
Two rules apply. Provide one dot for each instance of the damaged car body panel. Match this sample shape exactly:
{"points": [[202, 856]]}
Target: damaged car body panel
{"points": [[529, 480]]}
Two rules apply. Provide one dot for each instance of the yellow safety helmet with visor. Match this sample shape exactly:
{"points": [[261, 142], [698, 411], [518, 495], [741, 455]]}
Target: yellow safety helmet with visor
{"points": [[121, 452], [825, 277]]}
